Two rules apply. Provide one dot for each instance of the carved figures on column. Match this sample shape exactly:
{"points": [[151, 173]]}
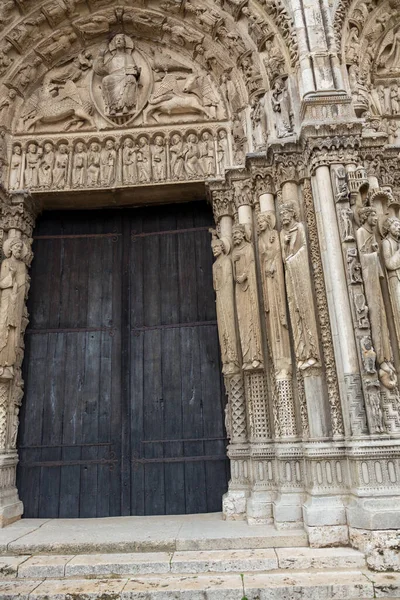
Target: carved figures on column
{"points": [[225, 304], [372, 274], [299, 290], [13, 279], [247, 305], [273, 281], [391, 257]]}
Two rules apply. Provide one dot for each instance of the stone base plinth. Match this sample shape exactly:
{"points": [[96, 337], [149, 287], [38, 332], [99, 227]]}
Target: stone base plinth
{"points": [[11, 507], [234, 505], [381, 548], [259, 508], [287, 510]]}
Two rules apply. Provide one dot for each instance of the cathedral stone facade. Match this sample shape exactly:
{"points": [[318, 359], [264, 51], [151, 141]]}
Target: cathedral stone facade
{"points": [[285, 114]]}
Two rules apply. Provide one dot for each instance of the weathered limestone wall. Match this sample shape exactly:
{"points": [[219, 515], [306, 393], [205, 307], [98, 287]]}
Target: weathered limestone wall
{"points": [[289, 111]]}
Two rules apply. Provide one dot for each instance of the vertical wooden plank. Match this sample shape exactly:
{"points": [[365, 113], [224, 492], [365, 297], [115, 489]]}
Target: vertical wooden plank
{"points": [[137, 266]]}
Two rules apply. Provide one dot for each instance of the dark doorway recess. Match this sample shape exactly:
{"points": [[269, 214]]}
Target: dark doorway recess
{"points": [[124, 403]]}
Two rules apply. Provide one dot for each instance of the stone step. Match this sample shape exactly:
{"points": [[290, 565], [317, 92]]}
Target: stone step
{"points": [[142, 534], [189, 562], [330, 585]]}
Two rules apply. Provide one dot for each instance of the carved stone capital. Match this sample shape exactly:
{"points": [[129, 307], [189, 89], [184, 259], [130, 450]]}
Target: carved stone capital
{"points": [[18, 210], [263, 181], [222, 203], [243, 193]]}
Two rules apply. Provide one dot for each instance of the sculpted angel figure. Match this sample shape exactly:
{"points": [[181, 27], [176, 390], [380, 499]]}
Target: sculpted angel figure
{"points": [[120, 76], [298, 287], [13, 278], [372, 274], [273, 282], [225, 303], [247, 306]]}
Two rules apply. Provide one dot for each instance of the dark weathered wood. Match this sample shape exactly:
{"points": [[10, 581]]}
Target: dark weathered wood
{"points": [[129, 417]]}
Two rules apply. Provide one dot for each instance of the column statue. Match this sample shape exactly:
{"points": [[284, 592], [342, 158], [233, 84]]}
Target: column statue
{"points": [[372, 274], [298, 287], [391, 258], [13, 279], [273, 282], [225, 303], [246, 299]]}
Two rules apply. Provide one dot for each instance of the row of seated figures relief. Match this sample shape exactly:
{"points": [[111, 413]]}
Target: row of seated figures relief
{"points": [[117, 161]]}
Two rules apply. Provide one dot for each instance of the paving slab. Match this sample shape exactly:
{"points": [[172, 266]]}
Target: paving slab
{"points": [[9, 566], [224, 561], [315, 586], [118, 564], [17, 589], [17, 530], [42, 566], [143, 534], [320, 558], [79, 589]]}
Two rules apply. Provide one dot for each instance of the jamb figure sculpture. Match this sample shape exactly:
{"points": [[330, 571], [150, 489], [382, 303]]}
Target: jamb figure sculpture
{"points": [[13, 278], [298, 287], [391, 257], [372, 274], [247, 306], [225, 303], [273, 280]]}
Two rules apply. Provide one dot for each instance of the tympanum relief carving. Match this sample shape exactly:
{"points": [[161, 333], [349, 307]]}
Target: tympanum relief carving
{"points": [[124, 81]]}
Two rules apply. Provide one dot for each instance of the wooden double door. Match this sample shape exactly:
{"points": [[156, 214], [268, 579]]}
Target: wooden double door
{"points": [[123, 411]]}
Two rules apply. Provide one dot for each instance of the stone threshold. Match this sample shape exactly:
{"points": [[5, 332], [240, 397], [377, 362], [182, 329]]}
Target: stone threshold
{"points": [[142, 534]]}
